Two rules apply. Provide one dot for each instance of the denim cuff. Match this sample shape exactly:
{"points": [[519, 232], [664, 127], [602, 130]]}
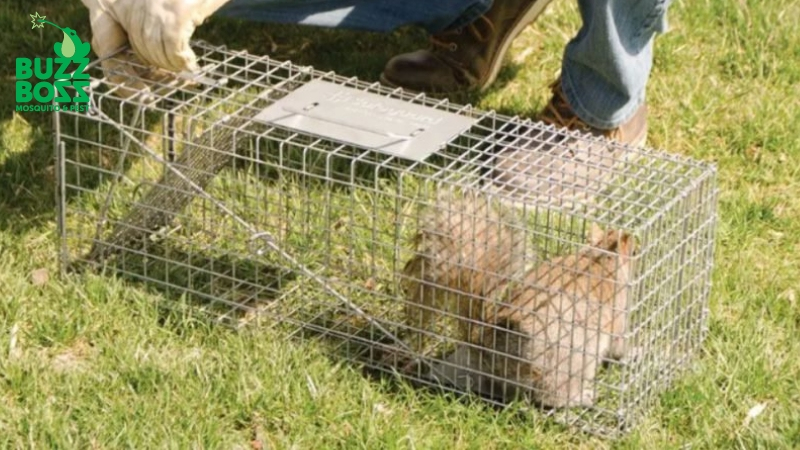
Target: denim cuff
{"points": [[578, 100]]}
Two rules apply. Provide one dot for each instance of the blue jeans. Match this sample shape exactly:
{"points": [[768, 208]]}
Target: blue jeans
{"points": [[604, 70]]}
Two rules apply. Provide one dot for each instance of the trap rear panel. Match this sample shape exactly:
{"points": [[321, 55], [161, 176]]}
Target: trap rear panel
{"points": [[189, 193]]}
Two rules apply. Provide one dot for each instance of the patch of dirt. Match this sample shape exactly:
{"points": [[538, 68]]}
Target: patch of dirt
{"points": [[72, 359]]}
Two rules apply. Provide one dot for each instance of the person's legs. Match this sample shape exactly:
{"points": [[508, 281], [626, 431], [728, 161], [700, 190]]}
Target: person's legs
{"points": [[606, 66], [366, 15], [601, 91], [469, 37]]}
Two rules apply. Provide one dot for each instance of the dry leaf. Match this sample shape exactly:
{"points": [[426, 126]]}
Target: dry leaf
{"points": [[754, 412], [312, 387], [40, 277], [14, 351], [523, 55], [381, 408], [790, 296], [775, 234]]}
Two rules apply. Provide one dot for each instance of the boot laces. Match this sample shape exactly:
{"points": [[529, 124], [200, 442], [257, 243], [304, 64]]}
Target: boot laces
{"points": [[480, 30]]}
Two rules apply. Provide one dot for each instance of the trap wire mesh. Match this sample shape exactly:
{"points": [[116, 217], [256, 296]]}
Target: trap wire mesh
{"points": [[452, 247]]}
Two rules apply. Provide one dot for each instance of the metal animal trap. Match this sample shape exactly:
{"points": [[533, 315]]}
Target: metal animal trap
{"points": [[449, 246]]}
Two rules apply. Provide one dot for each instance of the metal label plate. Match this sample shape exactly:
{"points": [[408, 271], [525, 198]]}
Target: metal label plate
{"points": [[366, 119]]}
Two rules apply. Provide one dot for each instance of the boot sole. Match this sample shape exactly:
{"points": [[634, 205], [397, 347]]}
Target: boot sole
{"points": [[497, 62]]}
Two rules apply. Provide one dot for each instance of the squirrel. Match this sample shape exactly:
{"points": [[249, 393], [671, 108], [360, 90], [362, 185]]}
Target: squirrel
{"points": [[542, 330], [465, 248], [556, 326]]}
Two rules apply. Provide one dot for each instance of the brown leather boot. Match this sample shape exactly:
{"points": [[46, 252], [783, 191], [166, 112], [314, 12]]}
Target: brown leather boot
{"points": [[559, 113], [566, 162], [466, 58]]}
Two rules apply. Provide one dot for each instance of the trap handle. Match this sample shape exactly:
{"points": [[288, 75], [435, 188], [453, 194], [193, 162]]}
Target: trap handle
{"points": [[349, 123]]}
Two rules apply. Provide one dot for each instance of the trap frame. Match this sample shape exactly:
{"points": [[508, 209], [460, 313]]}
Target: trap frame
{"points": [[235, 193]]}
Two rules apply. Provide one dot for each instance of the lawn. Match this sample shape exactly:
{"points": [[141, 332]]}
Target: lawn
{"points": [[90, 361]]}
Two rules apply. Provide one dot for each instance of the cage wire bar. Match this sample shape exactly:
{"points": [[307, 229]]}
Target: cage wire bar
{"points": [[583, 294]]}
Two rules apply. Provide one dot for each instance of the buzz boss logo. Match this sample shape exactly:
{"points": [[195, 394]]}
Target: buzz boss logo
{"points": [[59, 80]]}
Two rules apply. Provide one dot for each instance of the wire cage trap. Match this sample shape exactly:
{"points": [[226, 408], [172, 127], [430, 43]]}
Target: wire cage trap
{"points": [[452, 247]]}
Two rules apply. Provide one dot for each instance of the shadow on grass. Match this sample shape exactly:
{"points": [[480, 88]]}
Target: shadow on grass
{"points": [[217, 288]]}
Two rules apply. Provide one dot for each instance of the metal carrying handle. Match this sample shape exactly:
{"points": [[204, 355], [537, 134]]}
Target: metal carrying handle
{"points": [[356, 126]]}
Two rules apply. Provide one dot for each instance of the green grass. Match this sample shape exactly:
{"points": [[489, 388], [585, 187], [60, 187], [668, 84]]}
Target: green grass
{"points": [[90, 361]]}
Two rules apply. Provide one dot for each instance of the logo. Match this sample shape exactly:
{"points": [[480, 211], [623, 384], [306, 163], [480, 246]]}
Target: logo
{"points": [[52, 84]]}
